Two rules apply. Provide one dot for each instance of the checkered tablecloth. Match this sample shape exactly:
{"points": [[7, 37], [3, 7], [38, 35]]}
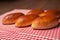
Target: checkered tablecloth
{"points": [[10, 32]]}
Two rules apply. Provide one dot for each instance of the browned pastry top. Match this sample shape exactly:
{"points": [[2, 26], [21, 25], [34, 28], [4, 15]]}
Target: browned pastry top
{"points": [[11, 18], [51, 13], [25, 20], [35, 12]]}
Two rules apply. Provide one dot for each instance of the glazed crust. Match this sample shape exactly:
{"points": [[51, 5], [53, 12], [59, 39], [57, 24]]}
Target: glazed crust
{"points": [[25, 20], [55, 13], [11, 18], [35, 12], [45, 22]]}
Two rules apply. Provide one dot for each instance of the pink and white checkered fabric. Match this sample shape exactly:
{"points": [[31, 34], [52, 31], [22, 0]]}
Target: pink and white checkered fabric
{"points": [[9, 32]]}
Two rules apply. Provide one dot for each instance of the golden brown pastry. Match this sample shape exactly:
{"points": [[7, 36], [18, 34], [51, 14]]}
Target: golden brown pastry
{"points": [[35, 12], [11, 18], [44, 22], [55, 13], [25, 20]]}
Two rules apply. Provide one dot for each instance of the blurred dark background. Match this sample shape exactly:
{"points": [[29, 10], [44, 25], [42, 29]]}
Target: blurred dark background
{"points": [[7, 5]]}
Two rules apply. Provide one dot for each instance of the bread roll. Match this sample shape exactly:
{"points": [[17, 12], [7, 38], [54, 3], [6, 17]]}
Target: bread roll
{"points": [[11, 18], [35, 12], [55, 13], [25, 20], [44, 22]]}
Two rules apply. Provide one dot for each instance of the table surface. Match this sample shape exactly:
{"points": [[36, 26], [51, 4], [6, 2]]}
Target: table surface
{"points": [[28, 4]]}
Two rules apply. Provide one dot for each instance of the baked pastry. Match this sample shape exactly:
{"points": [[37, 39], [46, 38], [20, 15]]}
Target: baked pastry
{"points": [[11, 18], [25, 20], [44, 22], [53, 13], [38, 19], [35, 12]]}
